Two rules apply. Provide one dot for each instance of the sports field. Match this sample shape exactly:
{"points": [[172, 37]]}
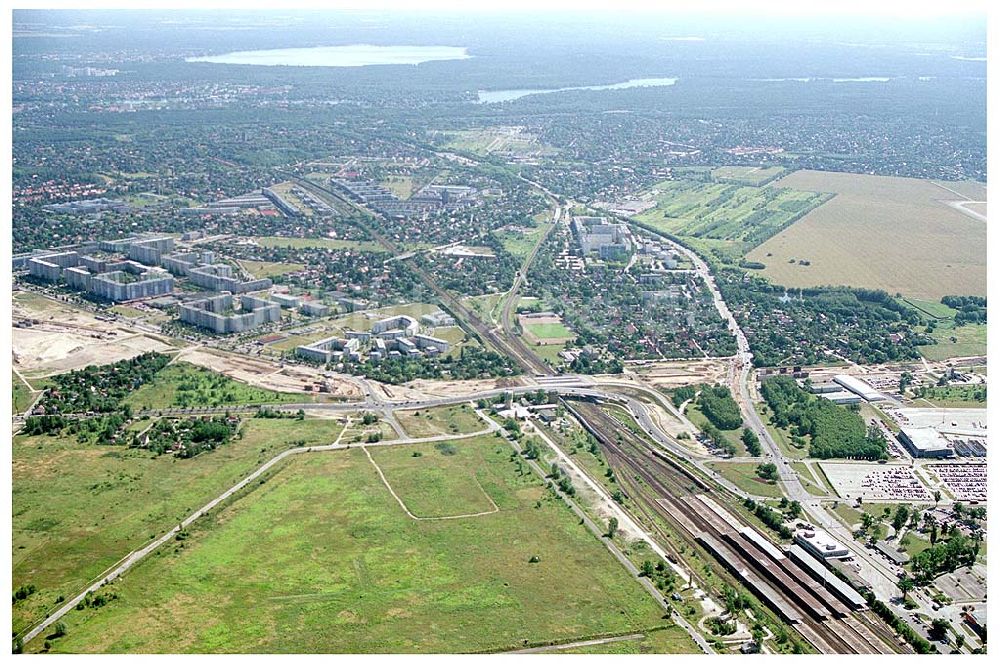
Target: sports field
{"points": [[747, 215], [879, 232], [78, 509], [322, 558]]}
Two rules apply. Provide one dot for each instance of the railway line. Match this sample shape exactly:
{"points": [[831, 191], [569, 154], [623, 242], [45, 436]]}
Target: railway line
{"points": [[512, 346], [680, 498]]}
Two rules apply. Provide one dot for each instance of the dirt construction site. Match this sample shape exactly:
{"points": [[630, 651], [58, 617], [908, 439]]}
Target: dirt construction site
{"points": [[49, 337]]}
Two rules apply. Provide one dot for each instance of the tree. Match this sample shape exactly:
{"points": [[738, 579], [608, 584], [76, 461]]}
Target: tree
{"points": [[900, 517], [939, 629], [751, 441], [612, 527], [59, 630], [647, 569], [905, 584], [768, 471], [937, 497]]}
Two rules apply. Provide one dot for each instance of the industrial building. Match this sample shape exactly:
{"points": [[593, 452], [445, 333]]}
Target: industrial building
{"points": [[217, 313], [836, 394], [924, 442], [859, 387]]}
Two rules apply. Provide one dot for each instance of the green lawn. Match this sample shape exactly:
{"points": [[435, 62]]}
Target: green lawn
{"points": [[935, 309], [185, 385], [445, 479], [968, 340], [322, 559], [550, 331], [78, 509], [449, 420], [670, 640], [520, 243], [266, 269], [22, 394], [953, 396], [328, 243], [809, 481], [744, 475]]}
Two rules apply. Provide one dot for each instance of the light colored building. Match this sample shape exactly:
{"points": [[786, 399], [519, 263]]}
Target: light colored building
{"points": [[314, 309], [49, 267], [119, 286], [438, 318], [328, 349], [821, 544], [218, 314], [408, 325], [219, 277], [286, 300], [924, 442], [859, 386]]}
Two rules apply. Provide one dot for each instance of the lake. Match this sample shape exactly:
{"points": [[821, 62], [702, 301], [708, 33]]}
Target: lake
{"points": [[354, 55], [494, 96]]}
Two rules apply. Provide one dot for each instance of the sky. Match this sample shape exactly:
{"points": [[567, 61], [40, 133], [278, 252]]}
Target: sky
{"points": [[787, 8]]}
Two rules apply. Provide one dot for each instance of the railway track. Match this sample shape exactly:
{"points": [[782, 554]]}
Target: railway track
{"points": [[678, 497], [511, 346]]}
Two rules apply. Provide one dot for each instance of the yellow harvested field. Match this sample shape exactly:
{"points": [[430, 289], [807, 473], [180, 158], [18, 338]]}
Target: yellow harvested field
{"points": [[898, 234]]}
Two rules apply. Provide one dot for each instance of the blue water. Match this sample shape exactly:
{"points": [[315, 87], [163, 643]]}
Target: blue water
{"points": [[355, 55], [494, 96]]}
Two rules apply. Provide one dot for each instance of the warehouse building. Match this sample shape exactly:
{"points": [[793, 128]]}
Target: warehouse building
{"points": [[217, 313], [924, 442], [859, 387]]}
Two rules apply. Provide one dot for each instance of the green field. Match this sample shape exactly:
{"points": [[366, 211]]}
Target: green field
{"points": [[903, 239], [445, 479], [266, 269], [809, 482], [521, 243], [185, 385], [952, 342], [401, 186], [748, 215], [935, 309], [694, 414], [321, 558], [550, 331], [449, 420], [953, 396], [78, 509], [747, 175], [744, 475], [328, 243], [22, 394]]}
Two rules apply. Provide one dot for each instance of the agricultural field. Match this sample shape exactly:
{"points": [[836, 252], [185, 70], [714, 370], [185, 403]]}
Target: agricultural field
{"points": [[78, 509], [329, 562], [747, 175], [185, 385], [904, 238], [270, 269], [744, 476], [448, 420], [744, 216]]}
